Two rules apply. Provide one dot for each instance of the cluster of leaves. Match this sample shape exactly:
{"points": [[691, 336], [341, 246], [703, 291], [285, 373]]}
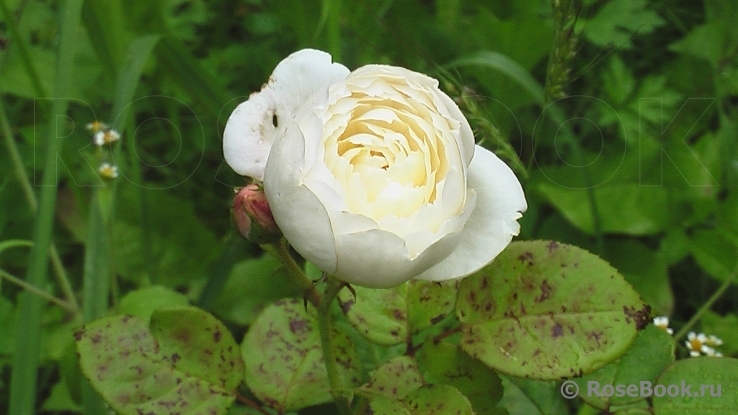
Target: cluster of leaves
{"points": [[415, 349], [637, 164]]}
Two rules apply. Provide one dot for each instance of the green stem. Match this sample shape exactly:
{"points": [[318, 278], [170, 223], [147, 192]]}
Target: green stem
{"points": [[39, 292], [565, 15], [295, 272], [24, 377], [61, 274], [705, 307], [325, 323]]}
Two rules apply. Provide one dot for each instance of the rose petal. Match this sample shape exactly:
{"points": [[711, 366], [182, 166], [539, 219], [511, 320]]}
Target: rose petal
{"points": [[379, 259], [298, 84], [466, 136], [500, 203], [249, 135], [301, 216]]}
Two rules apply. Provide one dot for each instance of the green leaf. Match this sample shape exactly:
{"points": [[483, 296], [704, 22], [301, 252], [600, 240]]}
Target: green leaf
{"points": [[506, 66], [714, 252], [172, 244], [186, 360], [203, 346], [532, 397], [619, 20], [650, 354], [547, 310], [284, 358], [395, 379], [143, 302], [71, 373], [387, 406], [427, 400], [623, 208], [15, 74], [182, 17], [251, 286], [438, 400], [721, 373], [674, 246], [445, 363], [644, 269], [618, 82], [388, 317], [60, 400], [701, 42], [635, 411]]}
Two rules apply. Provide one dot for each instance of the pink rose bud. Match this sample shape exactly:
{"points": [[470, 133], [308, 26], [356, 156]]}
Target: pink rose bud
{"points": [[253, 216]]}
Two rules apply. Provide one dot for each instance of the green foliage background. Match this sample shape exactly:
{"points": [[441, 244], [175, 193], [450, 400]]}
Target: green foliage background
{"points": [[636, 162]]}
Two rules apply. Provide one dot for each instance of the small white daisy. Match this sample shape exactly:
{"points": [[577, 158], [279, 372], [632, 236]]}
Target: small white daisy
{"points": [[96, 126], [663, 323], [713, 353], [696, 344], [713, 341], [105, 137], [108, 171]]}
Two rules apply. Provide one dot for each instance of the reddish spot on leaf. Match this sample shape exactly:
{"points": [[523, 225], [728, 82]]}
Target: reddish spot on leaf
{"points": [[641, 317], [298, 326], [545, 291], [79, 334], [557, 331], [552, 246], [526, 256]]}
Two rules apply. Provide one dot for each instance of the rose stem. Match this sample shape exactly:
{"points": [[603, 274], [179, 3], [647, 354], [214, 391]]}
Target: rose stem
{"points": [[295, 272], [325, 323]]}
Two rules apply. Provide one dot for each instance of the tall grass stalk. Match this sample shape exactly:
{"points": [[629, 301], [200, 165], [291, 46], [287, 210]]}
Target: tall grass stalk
{"points": [[26, 356]]}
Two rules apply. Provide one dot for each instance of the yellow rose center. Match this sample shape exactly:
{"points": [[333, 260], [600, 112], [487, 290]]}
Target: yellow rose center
{"points": [[386, 144]]}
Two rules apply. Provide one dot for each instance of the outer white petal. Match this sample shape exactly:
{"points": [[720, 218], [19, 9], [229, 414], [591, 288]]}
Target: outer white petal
{"points": [[301, 216], [379, 259], [466, 136], [500, 203], [296, 86], [249, 135]]}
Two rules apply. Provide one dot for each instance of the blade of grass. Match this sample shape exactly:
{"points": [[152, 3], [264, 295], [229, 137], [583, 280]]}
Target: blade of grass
{"points": [[20, 43], [139, 52], [506, 66], [37, 291], [96, 282], [25, 359], [330, 18], [104, 22], [61, 274]]}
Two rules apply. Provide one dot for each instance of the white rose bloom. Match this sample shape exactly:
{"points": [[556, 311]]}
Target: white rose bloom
{"points": [[373, 175]]}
